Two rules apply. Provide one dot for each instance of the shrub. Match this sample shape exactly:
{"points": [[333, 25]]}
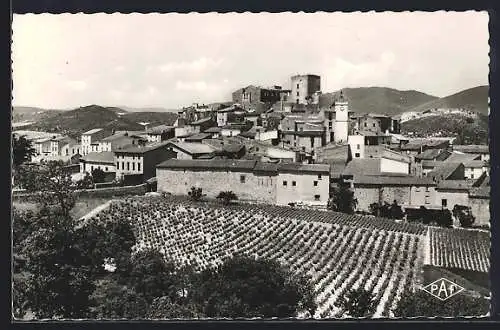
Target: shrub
{"points": [[227, 197], [195, 193]]}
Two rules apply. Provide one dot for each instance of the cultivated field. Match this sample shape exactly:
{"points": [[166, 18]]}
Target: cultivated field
{"points": [[339, 252]]}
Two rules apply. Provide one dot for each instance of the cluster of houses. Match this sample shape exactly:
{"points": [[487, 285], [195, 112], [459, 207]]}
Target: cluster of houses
{"points": [[287, 146]]}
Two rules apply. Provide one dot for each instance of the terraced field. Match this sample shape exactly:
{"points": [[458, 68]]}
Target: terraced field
{"points": [[337, 251]]}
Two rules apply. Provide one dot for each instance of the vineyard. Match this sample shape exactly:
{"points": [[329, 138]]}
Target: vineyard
{"points": [[337, 252]]}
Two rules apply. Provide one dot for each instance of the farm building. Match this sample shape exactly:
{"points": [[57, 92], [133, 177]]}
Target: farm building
{"points": [[251, 180]]}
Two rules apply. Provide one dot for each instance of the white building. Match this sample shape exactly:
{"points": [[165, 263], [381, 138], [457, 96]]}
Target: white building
{"points": [[341, 119]]}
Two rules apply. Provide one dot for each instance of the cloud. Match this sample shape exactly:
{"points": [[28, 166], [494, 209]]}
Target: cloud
{"points": [[77, 85], [191, 86], [200, 64]]}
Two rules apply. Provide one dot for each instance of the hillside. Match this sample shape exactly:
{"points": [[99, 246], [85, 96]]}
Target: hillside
{"points": [[154, 118], [473, 99], [146, 109], [75, 122], [468, 130], [379, 100], [32, 113]]}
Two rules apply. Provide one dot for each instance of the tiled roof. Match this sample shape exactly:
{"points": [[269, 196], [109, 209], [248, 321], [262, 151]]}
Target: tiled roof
{"points": [[248, 134], [304, 133], [213, 130], [393, 180], [193, 148], [429, 154], [142, 149], [99, 157], [199, 137], [454, 185], [367, 166], [417, 144], [266, 167], [443, 171], [431, 163], [200, 121], [92, 131], [160, 129], [473, 148], [311, 168], [221, 164], [475, 163], [457, 157], [480, 192]]}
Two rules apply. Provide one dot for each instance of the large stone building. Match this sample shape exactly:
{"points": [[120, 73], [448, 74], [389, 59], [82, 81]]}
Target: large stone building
{"points": [[304, 87], [250, 180], [251, 96], [90, 139]]}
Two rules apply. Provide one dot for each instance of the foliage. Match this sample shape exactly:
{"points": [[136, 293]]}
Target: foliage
{"points": [[272, 123], [114, 300], [98, 175], [386, 210], [87, 182], [358, 303], [426, 216], [195, 193], [22, 150], [164, 308], [464, 215], [51, 183], [420, 303], [227, 197], [342, 199], [248, 287]]}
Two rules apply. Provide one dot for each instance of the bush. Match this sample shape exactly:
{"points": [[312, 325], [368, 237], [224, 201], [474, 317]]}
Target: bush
{"points": [[358, 303], [195, 193], [464, 215], [227, 197]]}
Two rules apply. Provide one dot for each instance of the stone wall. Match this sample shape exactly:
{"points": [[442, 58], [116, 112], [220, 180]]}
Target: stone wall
{"points": [[480, 208], [246, 185]]}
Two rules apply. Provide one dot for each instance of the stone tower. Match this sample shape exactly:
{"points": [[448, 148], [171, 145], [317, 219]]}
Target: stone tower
{"points": [[341, 119]]}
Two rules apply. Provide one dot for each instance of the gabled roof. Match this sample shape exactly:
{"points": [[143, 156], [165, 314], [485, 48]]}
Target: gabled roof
{"points": [[201, 121], [198, 137], [444, 171], [473, 148], [480, 192], [429, 154], [100, 157], [213, 130], [141, 149], [193, 148], [221, 164], [454, 185], [393, 180], [365, 166], [160, 129], [92, 131], [474, 163], [457, 157]]}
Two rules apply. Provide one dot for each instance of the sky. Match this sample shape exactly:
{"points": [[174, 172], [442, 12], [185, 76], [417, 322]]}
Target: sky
{"points": [[172, 60]]}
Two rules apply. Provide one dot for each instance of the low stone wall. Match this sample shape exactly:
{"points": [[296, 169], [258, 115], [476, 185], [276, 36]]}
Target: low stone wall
{"points": [[99, 192]]}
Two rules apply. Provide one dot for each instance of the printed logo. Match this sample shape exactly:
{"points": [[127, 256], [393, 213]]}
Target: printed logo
{"points": [[443, 289]]}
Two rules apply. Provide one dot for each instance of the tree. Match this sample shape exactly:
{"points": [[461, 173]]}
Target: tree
{"points": [[395, 211], [164, 308], [247, 287], [227, 197], [87, 182], [464, 215], [195, 193], [51, 184], [358, 303], [22, 150], [98, 175], [342, 200], [420, 303]]}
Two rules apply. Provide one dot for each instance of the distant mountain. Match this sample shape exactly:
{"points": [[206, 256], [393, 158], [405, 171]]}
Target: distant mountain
{"points": [[74, 122], [380, 100], [467, 129], [473, 99], [147, 109], [32, 113]]}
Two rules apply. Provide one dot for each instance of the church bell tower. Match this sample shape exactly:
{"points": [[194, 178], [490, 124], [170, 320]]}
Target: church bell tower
{"points": [[341, 119]]}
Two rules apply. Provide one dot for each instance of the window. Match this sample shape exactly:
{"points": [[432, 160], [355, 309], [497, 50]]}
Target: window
{"points": [[133, 166], [357, 155], [317, 197], [139, 167], [284, 183], [297, 93], [128, 166], [123, 165], [365, 124], [472, 175], [117, 165], [373, 124], [294, 184], [427, 200], [315, 183], [358, 147], [106, 168], [91, 168], [319, 176], [444, 202], [297, 85], [242, 179], [427, 189]]}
